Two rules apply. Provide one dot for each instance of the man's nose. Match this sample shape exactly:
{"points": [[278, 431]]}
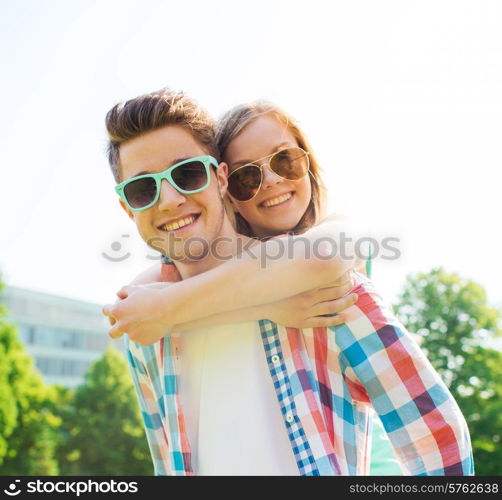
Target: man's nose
{"points": [[169, 197], [270, 178]]}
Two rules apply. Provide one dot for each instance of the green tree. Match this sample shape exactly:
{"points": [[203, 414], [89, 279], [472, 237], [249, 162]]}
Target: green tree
{"points": [[9, 349], [28, 424], [456, 324], [103, 429]]}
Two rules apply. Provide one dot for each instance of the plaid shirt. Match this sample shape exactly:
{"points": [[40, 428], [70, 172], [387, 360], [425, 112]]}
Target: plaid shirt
{"points": [[328, 382]]}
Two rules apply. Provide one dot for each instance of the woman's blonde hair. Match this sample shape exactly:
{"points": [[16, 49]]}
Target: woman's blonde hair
{"points": [[235, 120]]}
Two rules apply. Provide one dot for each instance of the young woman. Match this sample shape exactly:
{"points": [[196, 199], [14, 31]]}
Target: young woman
{"points": [[268, 204], [274, 188]]}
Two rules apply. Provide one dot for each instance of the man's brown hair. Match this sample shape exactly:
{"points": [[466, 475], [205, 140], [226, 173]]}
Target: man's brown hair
{"points": [[148, 112]]}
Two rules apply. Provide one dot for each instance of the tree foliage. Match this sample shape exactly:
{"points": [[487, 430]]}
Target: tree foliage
{"points": [[9, 351], [103, 430], [452, 316], [28, 423], [51, 430]]}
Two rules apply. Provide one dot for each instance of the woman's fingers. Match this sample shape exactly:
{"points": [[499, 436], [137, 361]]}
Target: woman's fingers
{"points": [[323, 321], [344, 279], [334, 306], [115, 332], [107, 311], [331, 293], [124, 292]]}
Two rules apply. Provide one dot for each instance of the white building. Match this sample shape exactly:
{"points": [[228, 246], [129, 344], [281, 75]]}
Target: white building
{"points": [[63, 335]]}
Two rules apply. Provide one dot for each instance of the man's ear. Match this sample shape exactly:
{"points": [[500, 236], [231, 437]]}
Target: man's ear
{"points": [[222, 178], [127, 210]]}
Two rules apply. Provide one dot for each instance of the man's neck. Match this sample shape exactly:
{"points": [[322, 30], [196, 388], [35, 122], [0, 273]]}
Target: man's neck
{"points": [[229, 245]]}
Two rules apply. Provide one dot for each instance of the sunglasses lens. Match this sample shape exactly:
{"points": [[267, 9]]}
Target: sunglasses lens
{"points": [[244, 182], [291, 163], [141, 192], [190, 176]]}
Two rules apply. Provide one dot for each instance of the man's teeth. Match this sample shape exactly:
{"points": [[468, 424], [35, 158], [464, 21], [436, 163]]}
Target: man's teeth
{"points": [[276, 201], [178, 224]]}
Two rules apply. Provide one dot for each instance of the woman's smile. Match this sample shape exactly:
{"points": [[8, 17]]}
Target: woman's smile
{"points": [[277, 201]]}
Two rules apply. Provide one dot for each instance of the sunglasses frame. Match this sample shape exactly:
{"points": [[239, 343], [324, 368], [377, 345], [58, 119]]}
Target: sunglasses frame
{"points": [[206, 160], [253, 164]]}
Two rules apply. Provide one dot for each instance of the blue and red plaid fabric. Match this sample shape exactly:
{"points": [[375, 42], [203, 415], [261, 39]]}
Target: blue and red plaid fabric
{"points": [[328, 383]]}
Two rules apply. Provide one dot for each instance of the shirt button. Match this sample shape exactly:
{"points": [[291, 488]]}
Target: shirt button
{"points": [[290, 418], [276, 359]]}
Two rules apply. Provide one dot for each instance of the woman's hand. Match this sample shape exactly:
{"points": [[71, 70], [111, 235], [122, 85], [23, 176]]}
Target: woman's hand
{"points": [[140, 312], [306, 310]]}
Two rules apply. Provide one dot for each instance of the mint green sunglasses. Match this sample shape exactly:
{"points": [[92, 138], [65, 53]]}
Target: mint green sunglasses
{"points": [[188, 177]]}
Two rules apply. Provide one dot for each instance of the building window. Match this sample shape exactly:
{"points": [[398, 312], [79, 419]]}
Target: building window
{"points": [[62, 367], [27, 333]]}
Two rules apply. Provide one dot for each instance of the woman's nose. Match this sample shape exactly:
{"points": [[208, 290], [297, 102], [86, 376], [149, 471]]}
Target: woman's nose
{"points": [[270, 178]]}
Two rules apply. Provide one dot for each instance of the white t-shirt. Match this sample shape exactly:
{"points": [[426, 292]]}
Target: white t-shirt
{"points": [[233, 419]]}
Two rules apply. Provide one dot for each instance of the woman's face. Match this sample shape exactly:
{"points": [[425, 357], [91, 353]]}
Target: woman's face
{"points": [[279, 204]]}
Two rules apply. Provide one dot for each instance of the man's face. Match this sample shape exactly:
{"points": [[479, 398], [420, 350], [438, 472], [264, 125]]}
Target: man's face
{"points": [[177, 224]]}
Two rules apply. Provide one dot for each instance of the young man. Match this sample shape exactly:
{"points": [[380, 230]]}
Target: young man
{"points": [[256, 397]]}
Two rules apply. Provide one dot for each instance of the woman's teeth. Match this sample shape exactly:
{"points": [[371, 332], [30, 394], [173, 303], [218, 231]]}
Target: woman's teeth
{"points": [[276, 201], [178, 224]]}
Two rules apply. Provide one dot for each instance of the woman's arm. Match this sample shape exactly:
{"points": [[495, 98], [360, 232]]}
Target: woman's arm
{"points": [[268, 272], [320, 253], [305, 310], [151, 275]]}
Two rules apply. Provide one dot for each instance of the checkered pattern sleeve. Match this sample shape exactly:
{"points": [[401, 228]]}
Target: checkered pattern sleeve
{"points": [[386, 368], [156, 436]]}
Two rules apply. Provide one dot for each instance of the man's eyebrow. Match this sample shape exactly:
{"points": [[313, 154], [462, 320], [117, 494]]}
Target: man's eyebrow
{"points": [[178, 160], [245, 162]]}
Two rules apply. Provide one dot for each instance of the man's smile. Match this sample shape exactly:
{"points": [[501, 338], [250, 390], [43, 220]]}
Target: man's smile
{"points": [[180, 223]]}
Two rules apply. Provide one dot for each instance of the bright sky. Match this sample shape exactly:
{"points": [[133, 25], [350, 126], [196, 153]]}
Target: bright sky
{"points": [[402, 101]]}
